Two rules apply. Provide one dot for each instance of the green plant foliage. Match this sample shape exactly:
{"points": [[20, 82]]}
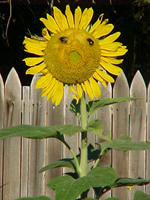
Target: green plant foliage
{"points": [[139, 195], [66, 162], [37, 132], [70, 163], [64, 185], [96, 127], [124, 143], [93, 106], [130, 182], [34, 198], [112, 198]]}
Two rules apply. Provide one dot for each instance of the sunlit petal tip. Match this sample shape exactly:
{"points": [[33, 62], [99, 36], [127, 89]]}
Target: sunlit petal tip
{"points": [[69, 17], [77, 16], [33, 60]]}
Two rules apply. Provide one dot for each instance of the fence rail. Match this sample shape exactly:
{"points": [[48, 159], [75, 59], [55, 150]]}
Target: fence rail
{"points": [[21, 158]]}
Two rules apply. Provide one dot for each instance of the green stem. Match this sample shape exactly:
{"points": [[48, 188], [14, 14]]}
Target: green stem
{"points": [[83, 162], [75, 158]]}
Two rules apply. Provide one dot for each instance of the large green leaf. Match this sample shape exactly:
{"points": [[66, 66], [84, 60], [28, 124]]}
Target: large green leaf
{"points": [[66, 162], [34, 198], [139, 195], [68, 188], [96, 127], [124, 143], [95, 105], [37, 132], [93, 154], [129, 182]]}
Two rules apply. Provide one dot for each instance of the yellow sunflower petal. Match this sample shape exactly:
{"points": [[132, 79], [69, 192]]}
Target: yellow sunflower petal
{"points": [[34, 51], [105, 30], [95, 87], [120, 52], [111, 68], [83, 87], [73, 89], [109, 39], [75, 97], [33, 60], [56, 99], [60, 19], [45, 34], [77, 16], [52, 92], [69, 17], [105, 76], [43, 81], [53, 24], [36, 69], [100, 79], [111, 47], [95, 25], [86, 18], [49, 87], [29, 42], [48, 25], [100, 26], [79, 91], [88, 89], [112, 60]]}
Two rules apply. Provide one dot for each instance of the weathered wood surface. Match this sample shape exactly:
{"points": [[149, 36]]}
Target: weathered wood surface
{"points": [[21, 158]]}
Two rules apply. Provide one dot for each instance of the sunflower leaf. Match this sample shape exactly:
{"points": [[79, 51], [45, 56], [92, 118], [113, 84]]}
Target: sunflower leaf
{"points": [[95, 105], [75, 108], [96, 127], [34, 198], [93, 154], [37, 132], [124, 143], [129, 182], [139, 195], [66, 162], [64, 185]]}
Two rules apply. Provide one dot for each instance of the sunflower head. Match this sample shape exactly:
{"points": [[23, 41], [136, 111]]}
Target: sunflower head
{"points": [[74, 54]]}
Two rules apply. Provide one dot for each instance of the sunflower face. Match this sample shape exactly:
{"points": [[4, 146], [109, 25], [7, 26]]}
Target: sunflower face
{"points": [[74, 56], [77, 53]]}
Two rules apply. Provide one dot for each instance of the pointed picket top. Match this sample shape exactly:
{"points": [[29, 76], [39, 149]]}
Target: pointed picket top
{"points": [[13, 98], [138, 87], [121, 87]]}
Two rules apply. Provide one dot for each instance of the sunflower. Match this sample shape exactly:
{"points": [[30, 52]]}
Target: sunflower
{"points": [[72, 53]]}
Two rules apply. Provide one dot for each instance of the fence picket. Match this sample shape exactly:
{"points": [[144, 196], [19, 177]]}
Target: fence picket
{"points": [[22, 158], [12, 146], [137, 129], [104, 114], [120, 128], [36, 147]]}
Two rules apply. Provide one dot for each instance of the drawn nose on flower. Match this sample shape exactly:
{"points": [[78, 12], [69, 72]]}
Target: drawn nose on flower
{"points": [[74, 54]]}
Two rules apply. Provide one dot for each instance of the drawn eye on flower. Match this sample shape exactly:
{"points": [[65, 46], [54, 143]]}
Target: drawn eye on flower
{"points": [[74, 55]]}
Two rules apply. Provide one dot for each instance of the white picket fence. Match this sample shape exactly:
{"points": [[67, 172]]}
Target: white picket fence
{"points": [[21, 158]]}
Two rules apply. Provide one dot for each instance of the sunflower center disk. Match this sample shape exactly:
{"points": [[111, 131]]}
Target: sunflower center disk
{"points": [[74, 57], [70, 57]]}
